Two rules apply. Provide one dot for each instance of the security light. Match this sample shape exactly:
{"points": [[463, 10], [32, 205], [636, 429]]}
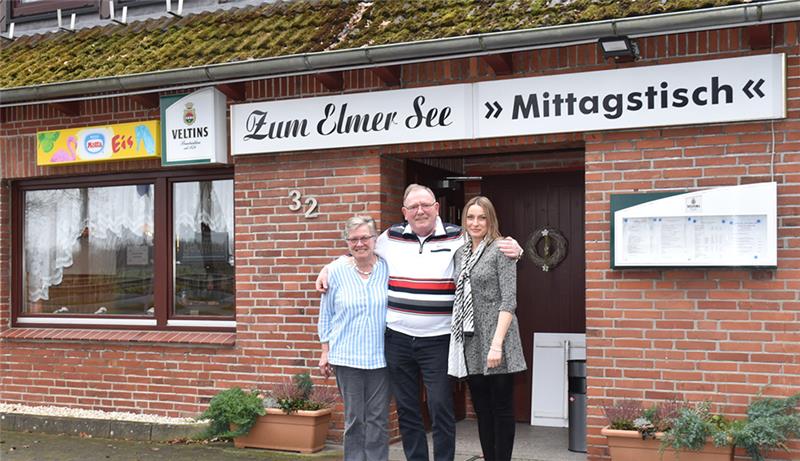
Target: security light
{"points": [[621, 48]]}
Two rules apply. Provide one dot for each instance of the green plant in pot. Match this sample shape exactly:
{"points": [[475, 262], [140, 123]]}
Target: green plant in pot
{"points": [[687, 428], [232, 413], [291, 415], [692, 426], [770, 423], [297, 417], [299, 394]]}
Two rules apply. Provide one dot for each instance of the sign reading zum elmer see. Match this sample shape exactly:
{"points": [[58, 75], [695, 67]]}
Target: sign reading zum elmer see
{"points": [[724, 90]]}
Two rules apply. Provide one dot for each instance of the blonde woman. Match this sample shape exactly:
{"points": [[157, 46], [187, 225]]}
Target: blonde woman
{"points": [[485, 346]]}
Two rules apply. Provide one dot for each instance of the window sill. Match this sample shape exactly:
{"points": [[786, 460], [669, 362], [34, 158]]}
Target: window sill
{"points": [[199, 338]]}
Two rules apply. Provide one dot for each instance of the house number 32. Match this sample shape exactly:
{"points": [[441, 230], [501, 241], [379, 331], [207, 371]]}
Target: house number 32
{"points": [[312, 207]]}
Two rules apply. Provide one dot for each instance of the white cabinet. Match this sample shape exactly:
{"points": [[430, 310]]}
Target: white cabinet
{"points": [[549, 390]]}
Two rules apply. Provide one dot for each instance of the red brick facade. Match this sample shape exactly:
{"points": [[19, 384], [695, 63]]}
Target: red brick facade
{"points": [[721, 335]]}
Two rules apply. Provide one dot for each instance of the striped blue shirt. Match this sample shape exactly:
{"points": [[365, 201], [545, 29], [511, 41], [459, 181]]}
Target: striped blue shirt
{"points": [[352, 316]]}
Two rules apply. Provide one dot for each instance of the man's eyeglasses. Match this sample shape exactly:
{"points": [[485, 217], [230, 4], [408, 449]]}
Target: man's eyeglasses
{"points": [[424, 206], [364, 240]]}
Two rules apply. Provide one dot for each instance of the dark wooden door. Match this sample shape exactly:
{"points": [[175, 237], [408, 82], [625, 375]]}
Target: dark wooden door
{"points": [[547, 302], [450, 198]]}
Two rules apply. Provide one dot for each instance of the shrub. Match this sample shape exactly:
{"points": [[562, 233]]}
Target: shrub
{"points": [[770, 424], [232, 413], [692, 426], [299, 393]]}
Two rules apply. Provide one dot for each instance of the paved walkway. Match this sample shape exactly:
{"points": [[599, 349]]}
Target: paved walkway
{"points": [[530, 444]]}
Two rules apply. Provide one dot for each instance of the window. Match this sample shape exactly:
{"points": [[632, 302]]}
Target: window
{"points": [[204, 275], [36, 7], [37, 10], [147, 250]]}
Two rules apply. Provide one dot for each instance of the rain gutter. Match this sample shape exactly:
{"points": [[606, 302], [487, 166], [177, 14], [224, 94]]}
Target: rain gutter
{"points": [[400, 53]]}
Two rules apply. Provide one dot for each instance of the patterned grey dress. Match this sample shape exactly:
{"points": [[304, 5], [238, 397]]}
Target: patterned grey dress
{"points": [[494, 288]]}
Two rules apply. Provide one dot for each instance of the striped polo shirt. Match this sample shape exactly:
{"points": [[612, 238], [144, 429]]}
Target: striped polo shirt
{"points": [[421, 287], [352, 316]]}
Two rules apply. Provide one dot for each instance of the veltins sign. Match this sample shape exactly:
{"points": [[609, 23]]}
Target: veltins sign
{"points": [[194, 128], [121, 141], [723, 90]]}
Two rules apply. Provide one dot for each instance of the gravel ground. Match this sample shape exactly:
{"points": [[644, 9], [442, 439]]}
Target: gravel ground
{"points": [[19, 446], [91, 414]]}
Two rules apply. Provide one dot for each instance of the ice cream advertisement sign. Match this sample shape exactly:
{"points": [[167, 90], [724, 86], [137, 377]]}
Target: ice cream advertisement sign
{"points": [[123, 141]]}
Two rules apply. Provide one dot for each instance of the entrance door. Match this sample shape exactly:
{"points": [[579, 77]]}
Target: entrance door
{"points": [[450, 198], [552, 301]]}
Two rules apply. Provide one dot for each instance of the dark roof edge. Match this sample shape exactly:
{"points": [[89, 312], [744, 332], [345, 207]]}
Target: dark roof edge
{"points": [[381, 55]]}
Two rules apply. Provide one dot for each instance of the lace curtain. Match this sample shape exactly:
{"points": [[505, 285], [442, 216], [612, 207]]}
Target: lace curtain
{"points": [[120, 216], [52, 227], [204, 202], [55, 220]]}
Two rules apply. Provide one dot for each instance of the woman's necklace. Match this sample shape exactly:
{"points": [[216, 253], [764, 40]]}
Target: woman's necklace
{"points": [[364, 273]]}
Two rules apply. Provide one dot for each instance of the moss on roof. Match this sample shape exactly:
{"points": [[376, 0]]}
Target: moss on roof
{"points": [[286, 28], [408, 20]]}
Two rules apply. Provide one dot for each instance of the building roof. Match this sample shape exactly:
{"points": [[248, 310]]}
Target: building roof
{"points": [[291, 28]]}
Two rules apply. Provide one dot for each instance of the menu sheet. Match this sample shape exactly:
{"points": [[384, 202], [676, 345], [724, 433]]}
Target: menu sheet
{"points": [[698, 240]]}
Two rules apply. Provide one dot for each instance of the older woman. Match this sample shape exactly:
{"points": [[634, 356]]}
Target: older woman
{"points": [[352, 321], [485, 345]]}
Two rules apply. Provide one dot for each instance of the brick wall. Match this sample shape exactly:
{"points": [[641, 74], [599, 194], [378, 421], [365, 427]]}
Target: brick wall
{"points": [[716, 334], [5, 253], [722, 335], [719, 335]]}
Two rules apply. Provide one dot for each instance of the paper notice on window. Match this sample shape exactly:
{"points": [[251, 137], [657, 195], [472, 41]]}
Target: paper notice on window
{"points": [[137, 255]]}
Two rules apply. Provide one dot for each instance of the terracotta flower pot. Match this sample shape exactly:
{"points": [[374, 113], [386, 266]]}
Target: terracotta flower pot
{"points": [[629, 446], [303, 431]]}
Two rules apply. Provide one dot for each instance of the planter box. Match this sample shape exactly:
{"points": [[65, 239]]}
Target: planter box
{"points": [[303, 431], [629, 446]]}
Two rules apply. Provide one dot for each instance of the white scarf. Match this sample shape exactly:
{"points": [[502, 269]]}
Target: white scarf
{"points": [[463, 317]]}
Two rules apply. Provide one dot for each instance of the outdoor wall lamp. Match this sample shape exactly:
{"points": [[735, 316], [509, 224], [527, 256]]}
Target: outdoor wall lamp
{"points": [[621, 48]]}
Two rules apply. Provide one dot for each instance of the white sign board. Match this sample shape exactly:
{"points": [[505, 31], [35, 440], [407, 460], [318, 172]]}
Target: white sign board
{"points": [[386, 117], [725, 226], [722, 90], [194, 129]]}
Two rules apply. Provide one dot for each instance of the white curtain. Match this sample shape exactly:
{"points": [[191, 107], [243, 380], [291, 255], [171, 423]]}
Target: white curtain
{"points": [[53, 223], [209, 202], [120, 216], [110, 217]]}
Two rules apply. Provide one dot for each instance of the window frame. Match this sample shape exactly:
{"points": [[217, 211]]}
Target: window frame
{"points": [[46, 9], [163, 264]]}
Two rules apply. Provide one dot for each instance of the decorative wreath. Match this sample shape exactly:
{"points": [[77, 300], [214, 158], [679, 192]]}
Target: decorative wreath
{"points": [[553, 251]]}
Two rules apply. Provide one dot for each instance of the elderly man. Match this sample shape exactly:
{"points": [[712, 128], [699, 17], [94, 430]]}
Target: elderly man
{"points": [[420, 253]]}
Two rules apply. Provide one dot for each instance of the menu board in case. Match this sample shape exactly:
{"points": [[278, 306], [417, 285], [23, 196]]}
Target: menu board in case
{"points": [[724, 226]]}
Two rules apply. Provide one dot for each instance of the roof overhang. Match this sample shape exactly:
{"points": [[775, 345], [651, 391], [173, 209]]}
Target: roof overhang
{"points": [[400, 53]]}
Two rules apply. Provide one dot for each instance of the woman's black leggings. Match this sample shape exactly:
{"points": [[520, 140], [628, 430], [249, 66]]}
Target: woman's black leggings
{"points": [[493, 400]]}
